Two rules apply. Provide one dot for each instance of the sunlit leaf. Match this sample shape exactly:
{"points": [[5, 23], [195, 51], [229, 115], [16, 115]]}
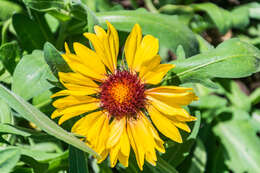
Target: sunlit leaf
{"points": [[154, 24], [41, 120]]}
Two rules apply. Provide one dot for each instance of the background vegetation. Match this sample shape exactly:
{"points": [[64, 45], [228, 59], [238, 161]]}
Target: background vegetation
{"points": [[214, 45]]}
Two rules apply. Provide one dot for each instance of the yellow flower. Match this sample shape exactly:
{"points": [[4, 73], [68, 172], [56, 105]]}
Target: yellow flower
{"points": [[120, 99]]}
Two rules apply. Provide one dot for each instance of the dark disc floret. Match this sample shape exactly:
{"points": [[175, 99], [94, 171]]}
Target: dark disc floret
{"points": [[122, 94]]}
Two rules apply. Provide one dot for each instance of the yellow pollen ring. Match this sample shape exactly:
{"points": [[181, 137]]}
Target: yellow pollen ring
{"points": [[120, 92]]}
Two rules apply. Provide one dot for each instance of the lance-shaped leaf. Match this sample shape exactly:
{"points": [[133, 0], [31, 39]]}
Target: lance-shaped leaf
{"points": [[41, 120], [231, 59]]}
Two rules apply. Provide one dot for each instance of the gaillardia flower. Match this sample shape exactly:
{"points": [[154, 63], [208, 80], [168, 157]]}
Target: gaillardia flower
{"points": [[119, 102]]}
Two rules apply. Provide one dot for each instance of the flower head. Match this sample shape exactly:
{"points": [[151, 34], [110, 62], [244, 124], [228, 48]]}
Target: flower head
{"points": [[122, 101]]}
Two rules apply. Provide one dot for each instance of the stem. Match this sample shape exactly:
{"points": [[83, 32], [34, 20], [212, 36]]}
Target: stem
{"points": [[4, 30], [150, 6], [62, 35]]}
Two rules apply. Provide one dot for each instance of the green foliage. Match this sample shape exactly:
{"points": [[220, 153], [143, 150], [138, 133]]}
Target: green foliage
{"points": [[9, 158], [9, 55], [42, 121], [78, 162], [125, 20], [219, 16], [211, 44], [231, 59], [31, 75]]}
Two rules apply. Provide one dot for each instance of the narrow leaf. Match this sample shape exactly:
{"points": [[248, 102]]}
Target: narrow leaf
{"points": [[8, 159], [41, 120], [77, 160], [231, 59]]}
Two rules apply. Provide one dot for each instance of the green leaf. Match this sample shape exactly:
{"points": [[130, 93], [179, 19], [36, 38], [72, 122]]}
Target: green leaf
{"points": [[8, 159], [53, 58], [221, 18], [29, 32], [5, 76], [255, 97], [180, 53], [5, 113], [41, 120], [45, 5], [240, 17], [45, 30], [176, 153], [9, 54], [21, 169], [203, 44], [231, 59], [241, 143], [38, 155], [162, 167], [42, 99], [8, 8], [106, 5], [255, 120], [156, 25], [254, 10], [199, 158], [77, 160], [31, 75], [237, 97], [6, 128], [176, 9], [210, 102], [83, 13], [52, 22]]}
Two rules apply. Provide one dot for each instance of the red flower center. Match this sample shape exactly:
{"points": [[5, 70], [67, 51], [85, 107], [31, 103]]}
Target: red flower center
{"points": [[122, 94]]}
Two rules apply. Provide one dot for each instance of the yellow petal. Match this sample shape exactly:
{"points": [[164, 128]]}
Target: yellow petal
{"points": [[164, 125], [94, 127], [67, 48], [145, 51], [75, 110], [69, 115], [77, 66], [79, 88], [113, 42], [170, 89], [113, 155], [184, 119], [168, 109], [103, 135], [123, 159], [116, 130], [89, 58], [71, 100], [97, 44], [150, 65], [139, 153], [103, 156], [141, 139], [182, 126], [85, 123], [132, 43], [76, 78], [109, 50], [170, 97], [156, 76], [121, 149], [151, 157], [158, 141], [124, 143], [88, 91]]}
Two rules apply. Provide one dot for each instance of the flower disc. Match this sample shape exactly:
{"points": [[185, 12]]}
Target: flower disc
{"points": [[122, 94]]}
